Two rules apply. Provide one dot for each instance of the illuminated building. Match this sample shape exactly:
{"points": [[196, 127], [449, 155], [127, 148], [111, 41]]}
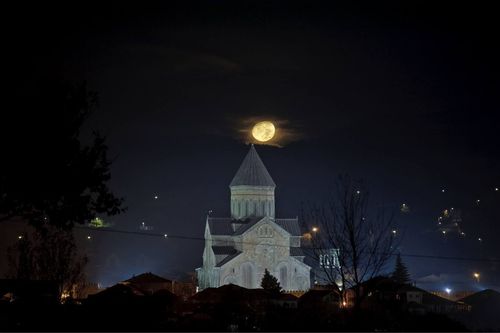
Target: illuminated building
{"points": [[239, 248]]}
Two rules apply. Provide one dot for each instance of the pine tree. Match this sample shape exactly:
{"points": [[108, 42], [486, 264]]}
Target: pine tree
{"points": [[400, 274], [270, 283]]}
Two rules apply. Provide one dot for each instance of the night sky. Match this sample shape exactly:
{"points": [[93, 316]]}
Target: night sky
{"points": [[404, 96]]}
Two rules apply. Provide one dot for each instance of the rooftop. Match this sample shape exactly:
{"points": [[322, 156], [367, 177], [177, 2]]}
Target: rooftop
{"points": [[252, 172]]}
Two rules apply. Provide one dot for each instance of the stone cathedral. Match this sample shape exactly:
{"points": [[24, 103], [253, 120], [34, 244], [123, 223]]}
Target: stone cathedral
{"points": [[239, 248]]}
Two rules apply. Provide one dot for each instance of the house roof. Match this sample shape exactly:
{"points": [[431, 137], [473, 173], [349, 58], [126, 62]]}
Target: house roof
{"points": [[220, 226], [317, 295], [296, 252], [117, 292], [230, 293], [250, 222], [252, 171], [228, 258], [147, 278], [428, 298], [224, 225], [212, 295], [290, 225], [287, 297], [487, 297], [220, 250]]}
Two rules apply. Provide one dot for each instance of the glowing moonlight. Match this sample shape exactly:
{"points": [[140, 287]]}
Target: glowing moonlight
{"points": [[263, 131]]}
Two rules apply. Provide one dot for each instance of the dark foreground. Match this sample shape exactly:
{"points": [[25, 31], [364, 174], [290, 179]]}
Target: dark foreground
{"points": [[223, 317]]}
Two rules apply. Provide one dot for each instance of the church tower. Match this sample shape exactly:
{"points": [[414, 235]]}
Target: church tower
{"points": [[252, 189]]}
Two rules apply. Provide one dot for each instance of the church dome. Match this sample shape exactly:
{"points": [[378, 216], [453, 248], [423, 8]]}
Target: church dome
{"points": [[252, 172]]}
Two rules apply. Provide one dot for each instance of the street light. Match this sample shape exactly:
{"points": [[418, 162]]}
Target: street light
{"points": [[315, 229], [477, 276]]}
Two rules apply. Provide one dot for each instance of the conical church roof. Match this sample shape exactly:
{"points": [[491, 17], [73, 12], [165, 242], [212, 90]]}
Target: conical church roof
{"points": [[252, 172]]}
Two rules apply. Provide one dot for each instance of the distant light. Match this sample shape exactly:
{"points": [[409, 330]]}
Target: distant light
{"points": [[451, 208], [480, 239], [476, 275], [448, 290], [462, 233], [88, 237], [405, 208], [442, 190], [165, 235], [156, 197], [444, 232], [478, 200], [358, 192], [315, 229], [20, 236], [394, 231], [496, 189]]}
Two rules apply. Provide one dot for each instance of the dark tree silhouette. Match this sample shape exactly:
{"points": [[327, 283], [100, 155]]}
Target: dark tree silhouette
{"points": [[270, 283], [350, 240], [48, 175], [50, 255], [400, 274]]}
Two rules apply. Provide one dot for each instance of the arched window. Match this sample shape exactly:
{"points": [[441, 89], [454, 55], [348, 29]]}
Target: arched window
{"points": [[283, 277], [247, 275]]}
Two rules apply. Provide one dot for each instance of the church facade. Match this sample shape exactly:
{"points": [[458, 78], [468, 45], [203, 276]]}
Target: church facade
{"points": [[239, 248]]}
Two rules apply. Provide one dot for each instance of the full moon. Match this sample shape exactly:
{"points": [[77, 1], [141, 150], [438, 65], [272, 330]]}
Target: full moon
{"points": [[263, 131]]}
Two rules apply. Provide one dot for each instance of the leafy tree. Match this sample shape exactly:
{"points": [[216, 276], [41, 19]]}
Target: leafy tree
{"points": [[400, 274], [48, 175], [270, 283], [50, 254]]}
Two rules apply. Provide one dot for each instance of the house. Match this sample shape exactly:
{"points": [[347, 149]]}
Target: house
{"points": [[316, 299], [117, 295], [382, 292], [285, 300], [149, 283], [484, 314]]}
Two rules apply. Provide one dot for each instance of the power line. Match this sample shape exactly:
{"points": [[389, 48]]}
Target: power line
{"points": [[409, 255]]}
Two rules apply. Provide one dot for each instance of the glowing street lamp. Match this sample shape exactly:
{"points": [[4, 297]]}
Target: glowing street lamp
{"points": [[448, 290], [476, 276], [315, 229]]}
